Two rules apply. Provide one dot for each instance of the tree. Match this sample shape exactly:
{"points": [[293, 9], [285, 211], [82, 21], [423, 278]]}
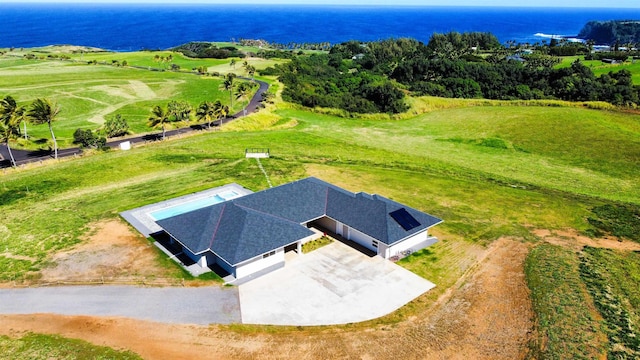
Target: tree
{"points": [[87, 138], [115, 127], [251, 71], [243, 91], [159, 117], [10, 115], [206, 112], [227, 84], [233, 63], [45, 111], [180, 110], [6, 134], [220, 111]]}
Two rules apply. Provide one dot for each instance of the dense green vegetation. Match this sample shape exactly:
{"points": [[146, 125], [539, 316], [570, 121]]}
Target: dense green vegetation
{"points": [[43, 347], [612, 32], [317, 80], [368, 77], [208, 50]]}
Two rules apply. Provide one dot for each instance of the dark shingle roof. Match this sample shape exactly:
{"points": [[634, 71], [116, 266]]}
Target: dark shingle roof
{"points": [[232, 232], [255, 224]]}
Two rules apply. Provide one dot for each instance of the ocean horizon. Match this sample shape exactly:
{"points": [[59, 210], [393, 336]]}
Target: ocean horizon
{"points": [[132, 27]]}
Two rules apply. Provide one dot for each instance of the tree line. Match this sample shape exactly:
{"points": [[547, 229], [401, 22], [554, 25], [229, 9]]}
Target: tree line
{"points": [[375, 76]]}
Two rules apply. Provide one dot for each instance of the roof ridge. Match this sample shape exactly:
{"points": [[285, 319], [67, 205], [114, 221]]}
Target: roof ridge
{"points": [[244, 207], [215, 231]]}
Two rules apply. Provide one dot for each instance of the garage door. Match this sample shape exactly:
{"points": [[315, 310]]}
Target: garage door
{"points": [[362, 239]]}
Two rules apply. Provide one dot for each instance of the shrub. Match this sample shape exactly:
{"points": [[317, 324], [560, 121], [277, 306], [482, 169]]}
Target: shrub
{"points": [[115, 127]]}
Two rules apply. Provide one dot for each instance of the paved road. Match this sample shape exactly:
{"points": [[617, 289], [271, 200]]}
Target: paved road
{"points": [[23, 156], [203, 306]]}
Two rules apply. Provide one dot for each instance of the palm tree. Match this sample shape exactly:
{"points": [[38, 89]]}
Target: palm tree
{"points": [[10, 115], [159, 117], [45, 111], [206, 112], [243, 91], [6, 134], [251, 71], [220, 111], [227, 84]]}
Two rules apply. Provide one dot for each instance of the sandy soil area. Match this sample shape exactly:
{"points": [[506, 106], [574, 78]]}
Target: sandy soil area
{"points": [[571, 238], [487, 315], [111, 251]]}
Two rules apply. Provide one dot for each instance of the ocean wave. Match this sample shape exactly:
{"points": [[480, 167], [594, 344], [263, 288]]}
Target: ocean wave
{"points": [[571, 38]]}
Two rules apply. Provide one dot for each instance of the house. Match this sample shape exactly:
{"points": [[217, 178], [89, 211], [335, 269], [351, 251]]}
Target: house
{"points": [[250, 235]]}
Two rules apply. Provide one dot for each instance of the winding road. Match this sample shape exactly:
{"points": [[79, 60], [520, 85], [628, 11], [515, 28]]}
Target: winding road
{"points": [[26, 156]]}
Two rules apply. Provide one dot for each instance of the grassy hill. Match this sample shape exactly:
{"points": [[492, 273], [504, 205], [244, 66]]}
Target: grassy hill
{"points": [[90, 94], [490, 169]]}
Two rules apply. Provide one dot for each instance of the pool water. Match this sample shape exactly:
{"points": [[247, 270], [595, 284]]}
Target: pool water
{"points": [[192, 205]]}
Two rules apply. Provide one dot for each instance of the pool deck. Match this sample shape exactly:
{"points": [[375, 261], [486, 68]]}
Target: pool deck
{"points": [[141, 218]]}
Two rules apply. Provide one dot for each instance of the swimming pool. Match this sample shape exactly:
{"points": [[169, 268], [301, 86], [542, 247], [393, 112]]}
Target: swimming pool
{"points": [[192, 205]]}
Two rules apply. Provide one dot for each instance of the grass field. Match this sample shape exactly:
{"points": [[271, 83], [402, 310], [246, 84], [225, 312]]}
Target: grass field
{"points": [[493, 171], [568, 323], [43, 347], [90, 94], [587, 303], [599, 68]]}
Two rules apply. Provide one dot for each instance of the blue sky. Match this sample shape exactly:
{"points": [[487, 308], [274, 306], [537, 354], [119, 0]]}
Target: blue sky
{"points": [[542, 3]]}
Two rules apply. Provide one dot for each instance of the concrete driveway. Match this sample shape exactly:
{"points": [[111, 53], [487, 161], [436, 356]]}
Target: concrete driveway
{"points": [[205, 305], [332, 285]]}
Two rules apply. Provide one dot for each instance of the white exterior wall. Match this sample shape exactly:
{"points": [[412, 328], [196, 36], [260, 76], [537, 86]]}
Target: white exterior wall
{"points": [[383, 250], [327, 223], [362, 239], [258, 263], [416, 242]]}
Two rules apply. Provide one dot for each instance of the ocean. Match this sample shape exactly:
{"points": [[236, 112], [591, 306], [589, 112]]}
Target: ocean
{"points": [[134, 27]]}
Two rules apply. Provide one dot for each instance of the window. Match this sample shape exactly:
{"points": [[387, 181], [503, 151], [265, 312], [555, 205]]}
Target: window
{"points": [[269, 254], [375, 244]]}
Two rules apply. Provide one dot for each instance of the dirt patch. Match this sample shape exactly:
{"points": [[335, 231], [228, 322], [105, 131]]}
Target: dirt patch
{"points": [[571, 238], [110, 251], [486, 316]]}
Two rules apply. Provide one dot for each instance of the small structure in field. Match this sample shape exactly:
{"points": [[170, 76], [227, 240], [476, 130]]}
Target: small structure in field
{"points": [[256, 153]]}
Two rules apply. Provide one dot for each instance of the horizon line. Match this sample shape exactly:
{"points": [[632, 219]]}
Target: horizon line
{"points": [[313, 3]]}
